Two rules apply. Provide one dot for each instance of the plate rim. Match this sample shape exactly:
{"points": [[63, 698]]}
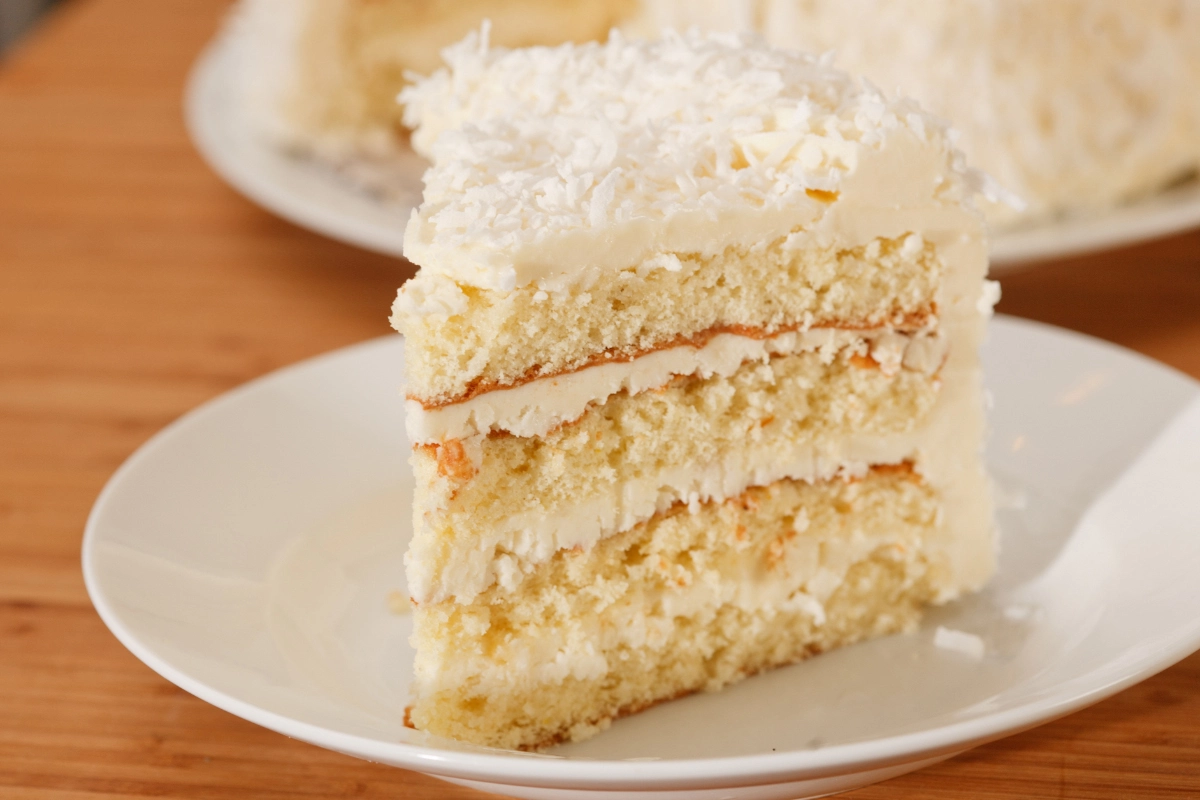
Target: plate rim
{"points": [[550, 771], [1108, 230]]}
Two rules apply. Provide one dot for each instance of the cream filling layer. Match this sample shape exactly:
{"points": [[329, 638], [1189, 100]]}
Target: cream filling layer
{"points": [[537, 407]]}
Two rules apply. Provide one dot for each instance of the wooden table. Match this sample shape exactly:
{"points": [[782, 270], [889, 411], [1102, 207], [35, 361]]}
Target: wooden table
{"points": [[134, 285]]}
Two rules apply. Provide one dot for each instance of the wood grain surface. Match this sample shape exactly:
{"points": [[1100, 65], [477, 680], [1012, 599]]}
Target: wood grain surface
{"points": [[135, 285]]}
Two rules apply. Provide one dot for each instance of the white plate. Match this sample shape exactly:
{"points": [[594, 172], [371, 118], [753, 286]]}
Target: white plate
{"points": [[1171, 211], [247, 554], [315, 196]]}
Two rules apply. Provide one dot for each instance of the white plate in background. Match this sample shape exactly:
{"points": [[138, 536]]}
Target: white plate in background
{"points": [[248, 552], [316, 196]]}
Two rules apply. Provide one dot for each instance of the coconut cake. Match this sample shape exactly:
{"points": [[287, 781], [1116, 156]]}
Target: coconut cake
{"points": [[692, 374]]}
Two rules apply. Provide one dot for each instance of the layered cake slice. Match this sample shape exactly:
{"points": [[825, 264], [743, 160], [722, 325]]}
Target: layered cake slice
{"points": [[692, 375]]}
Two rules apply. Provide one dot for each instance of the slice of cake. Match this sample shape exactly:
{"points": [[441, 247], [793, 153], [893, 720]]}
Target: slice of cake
{"points": [[692, 375]]}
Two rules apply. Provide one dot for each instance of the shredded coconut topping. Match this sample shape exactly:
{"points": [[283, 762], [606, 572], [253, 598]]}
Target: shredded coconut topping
{"points": [[532, 144]]}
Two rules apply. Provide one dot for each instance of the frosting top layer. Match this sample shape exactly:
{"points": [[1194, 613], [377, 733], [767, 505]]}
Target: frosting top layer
{"points": [[549, 161]]}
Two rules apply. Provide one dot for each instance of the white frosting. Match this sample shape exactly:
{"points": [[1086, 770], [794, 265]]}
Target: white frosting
{"points": [[535, 408], [554, 164], [293, 70], [265, 36]]}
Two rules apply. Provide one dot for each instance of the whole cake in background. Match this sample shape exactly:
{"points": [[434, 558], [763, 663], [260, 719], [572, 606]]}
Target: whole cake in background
{"points": [[692, 375], [321, 76], [1072, 105]]}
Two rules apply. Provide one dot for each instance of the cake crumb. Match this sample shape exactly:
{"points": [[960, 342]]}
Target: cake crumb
{"points": [[398, 602], [863, 361], [968, 644], [1017, 613], [453, 462]]}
